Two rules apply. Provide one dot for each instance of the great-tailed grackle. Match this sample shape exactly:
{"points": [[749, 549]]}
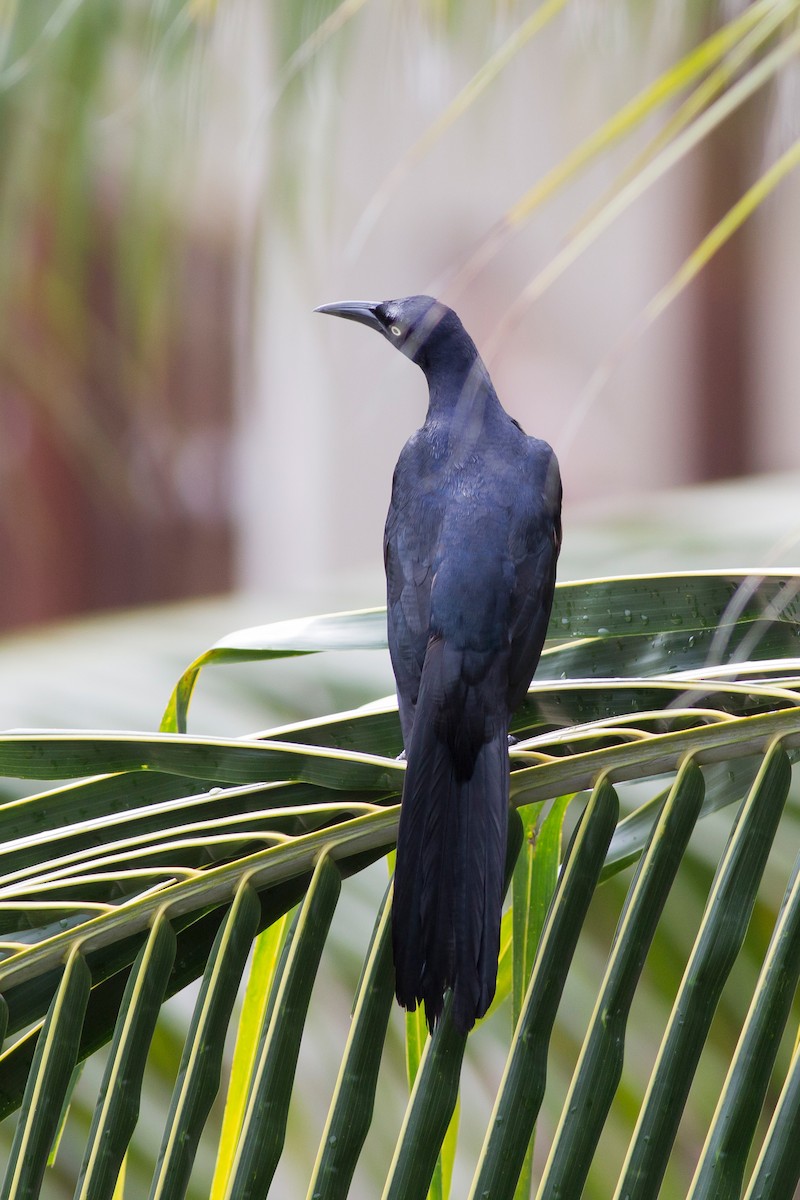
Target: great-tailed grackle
{"points": [[470, 549]]}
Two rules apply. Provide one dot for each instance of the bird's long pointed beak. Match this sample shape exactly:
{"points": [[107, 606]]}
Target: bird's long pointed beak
{"points": [[353, 310]]}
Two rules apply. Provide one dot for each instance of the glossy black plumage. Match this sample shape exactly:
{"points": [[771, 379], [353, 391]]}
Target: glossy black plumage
{"points": [[470, 548]]}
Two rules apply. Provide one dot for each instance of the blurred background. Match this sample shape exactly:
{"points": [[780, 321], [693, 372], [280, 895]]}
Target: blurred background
{"points": [[182, 181], [186, 448]]}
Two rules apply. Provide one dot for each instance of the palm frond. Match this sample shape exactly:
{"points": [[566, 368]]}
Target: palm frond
{"points": [[163, 865]]}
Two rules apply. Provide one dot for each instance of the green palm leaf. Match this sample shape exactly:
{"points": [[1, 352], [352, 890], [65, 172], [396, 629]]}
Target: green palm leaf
{"points": [[165, 862]]}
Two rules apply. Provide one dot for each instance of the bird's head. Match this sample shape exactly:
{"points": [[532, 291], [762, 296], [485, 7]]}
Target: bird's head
{"points": [[414, 325]]}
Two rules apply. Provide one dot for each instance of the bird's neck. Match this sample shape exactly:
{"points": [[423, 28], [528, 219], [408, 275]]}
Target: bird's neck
{"points": [[458, 381], [461, 395]]}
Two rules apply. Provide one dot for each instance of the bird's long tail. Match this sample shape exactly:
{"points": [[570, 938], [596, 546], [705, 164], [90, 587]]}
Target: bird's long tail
{"points": [[449, 879]]}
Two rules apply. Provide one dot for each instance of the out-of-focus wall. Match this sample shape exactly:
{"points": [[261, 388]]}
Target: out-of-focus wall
{"points": [[232, 165], [776, 343], [333, 405]]}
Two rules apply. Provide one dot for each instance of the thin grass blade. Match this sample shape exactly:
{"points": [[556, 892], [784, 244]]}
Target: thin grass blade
{"points": [[769, 19], [119, 1187], [195, 942], [269, 961], [468, 95], [350, 1114], [777, 1171], [264, 1124], [702, 254], [534, 882], [48, 1083], [535, 877], [429, 1112], [278, 871], [718, 942], [720, 1171], [716, 49], [117, 1107], [522, 1086], [599, 1067], [199, 1073], [756, 77]]}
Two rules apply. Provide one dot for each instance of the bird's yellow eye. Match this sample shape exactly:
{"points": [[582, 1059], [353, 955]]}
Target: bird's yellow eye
{"points": [[395, 329]]}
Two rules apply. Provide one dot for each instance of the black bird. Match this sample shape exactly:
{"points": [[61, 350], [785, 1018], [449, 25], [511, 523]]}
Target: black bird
{"points": [[470, 548]]}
